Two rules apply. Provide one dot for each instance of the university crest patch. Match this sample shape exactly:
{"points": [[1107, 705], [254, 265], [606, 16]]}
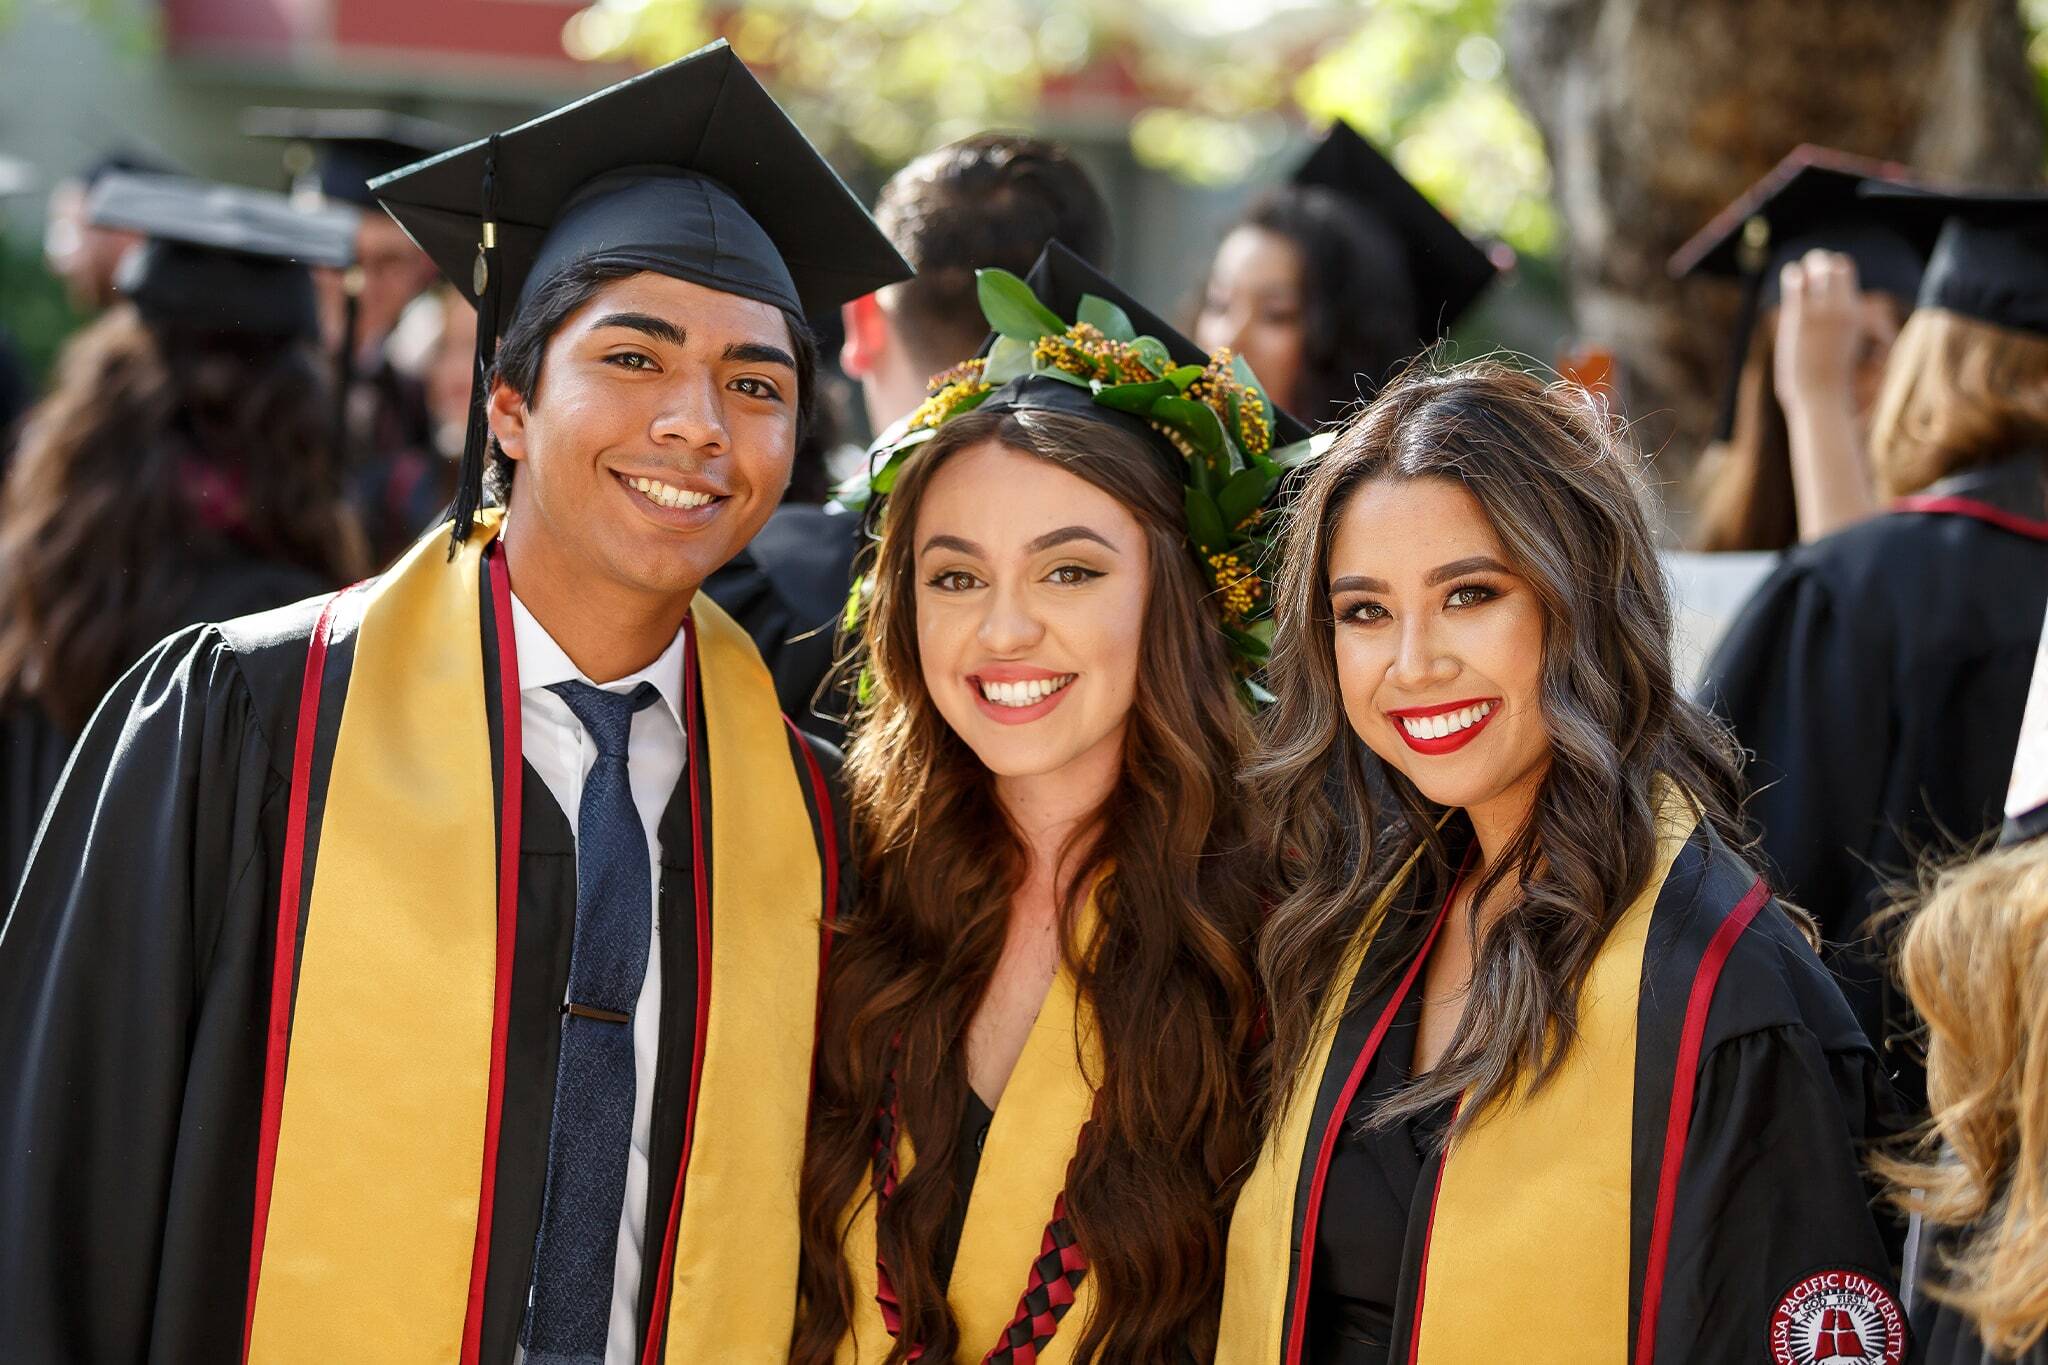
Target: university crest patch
{"points": [[1838, 1317]]}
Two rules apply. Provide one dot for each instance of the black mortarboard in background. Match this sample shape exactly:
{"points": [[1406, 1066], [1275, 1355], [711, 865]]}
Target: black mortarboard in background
{"points": [[1446, 270], [1809, 201], [334, 154], [123, 161], [1059, 279], [1990, 261], [690, 170], [220, 257]]}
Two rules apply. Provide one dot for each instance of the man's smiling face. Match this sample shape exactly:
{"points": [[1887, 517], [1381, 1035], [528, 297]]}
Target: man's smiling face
{"points": [[658, 437]]}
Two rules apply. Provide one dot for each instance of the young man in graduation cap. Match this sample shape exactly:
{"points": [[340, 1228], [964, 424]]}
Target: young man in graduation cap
{"points": [[1826, 281], [332, 155], [1877, 676], [1329, 282], [429, 971]]}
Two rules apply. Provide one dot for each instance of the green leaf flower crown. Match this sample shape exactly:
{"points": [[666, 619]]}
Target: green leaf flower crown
{"points": [[1216, 415]]}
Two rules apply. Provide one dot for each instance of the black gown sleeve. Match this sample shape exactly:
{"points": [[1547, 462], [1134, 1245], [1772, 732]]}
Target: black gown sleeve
{"points": [[1772, 1190], [1808, 691], [131, 1024]]}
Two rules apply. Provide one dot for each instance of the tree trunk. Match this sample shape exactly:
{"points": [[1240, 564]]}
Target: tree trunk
{"points": [[1657, 113]]}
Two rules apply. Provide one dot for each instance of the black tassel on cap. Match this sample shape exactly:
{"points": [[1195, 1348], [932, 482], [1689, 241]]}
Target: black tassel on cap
{"points": [[484, 281]]}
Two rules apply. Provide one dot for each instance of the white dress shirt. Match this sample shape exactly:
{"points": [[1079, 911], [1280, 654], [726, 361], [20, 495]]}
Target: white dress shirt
{"points": [[559, 749]]}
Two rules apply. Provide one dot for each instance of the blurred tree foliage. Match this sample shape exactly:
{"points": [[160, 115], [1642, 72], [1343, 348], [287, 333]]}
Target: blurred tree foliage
{"points": [[1214, 83]]}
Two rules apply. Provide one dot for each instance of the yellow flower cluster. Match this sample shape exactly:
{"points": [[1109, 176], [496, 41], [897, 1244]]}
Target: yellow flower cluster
{"points": [[1084, 352], [1217, 385], [1240, 585], [949, 388]]}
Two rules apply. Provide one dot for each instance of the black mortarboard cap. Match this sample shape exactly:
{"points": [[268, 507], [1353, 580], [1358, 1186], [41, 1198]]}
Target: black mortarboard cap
{"points": [[1059, 279], [690, 170], [220, 257], [1811, 200], [1446, 270], [336, 153], [125, 161], [1990, 261]]}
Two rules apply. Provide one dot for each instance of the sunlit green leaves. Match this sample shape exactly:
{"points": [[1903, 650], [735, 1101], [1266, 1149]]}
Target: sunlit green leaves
{"points": [[1107, 318], [1012, 309]]}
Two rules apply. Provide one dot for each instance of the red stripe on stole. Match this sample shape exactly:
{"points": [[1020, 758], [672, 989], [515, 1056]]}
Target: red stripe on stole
{"points": [[511, 810], [284, 962], [1679, 1123], [828, 839], [1988, 513], [1297, 1319], [650, 1352]]}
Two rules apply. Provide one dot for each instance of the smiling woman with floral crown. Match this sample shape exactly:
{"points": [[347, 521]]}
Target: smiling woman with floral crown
{"points": [[1031, 1107], [1551, 1072]]}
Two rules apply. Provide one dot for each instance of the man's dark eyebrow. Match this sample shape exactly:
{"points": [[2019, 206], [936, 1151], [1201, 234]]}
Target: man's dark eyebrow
{"points": [[1357, 583], [1064, 536], [661, 329], [760, 353], [1458, 568], [954, 543]]}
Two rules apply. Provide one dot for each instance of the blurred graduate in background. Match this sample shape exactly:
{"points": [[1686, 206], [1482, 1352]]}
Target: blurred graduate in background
{"points": [[1878, 675], [179, 471], [1330, 282], [1826, 281], [330, 156], [1974, 963]]}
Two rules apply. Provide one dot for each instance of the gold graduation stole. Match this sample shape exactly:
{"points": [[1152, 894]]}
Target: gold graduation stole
{"points": [[1005, 1272], [375, 1173], [1537, 1172]]}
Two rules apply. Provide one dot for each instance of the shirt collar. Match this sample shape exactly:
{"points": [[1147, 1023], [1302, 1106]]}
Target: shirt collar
{"points": [[542, 663]]}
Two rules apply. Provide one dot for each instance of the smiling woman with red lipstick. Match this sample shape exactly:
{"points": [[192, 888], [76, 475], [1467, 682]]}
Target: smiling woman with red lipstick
{"points": [[1032, 1103], [1548, 1061]]}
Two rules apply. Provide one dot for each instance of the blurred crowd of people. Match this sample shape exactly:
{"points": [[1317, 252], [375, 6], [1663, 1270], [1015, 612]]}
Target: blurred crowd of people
{"points": [[273, 393]]}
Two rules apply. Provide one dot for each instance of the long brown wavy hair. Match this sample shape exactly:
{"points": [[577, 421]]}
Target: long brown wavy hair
{"points": [[1566, 498], [1975, 963], [101, 532], [1743, 486], [1168, 974], [1958, 393]]}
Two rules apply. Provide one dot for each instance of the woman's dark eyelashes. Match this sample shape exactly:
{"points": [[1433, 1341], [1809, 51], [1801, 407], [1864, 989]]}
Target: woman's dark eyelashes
{"points": [[952, 580], [1361, 611], [1482, 593], [1082, 574]]}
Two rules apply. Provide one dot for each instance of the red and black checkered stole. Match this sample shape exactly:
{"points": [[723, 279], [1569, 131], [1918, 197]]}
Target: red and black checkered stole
{"points": [[1019, 1274]]}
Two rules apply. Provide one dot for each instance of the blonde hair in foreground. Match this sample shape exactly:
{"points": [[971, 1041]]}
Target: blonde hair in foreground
{"points": [[1957, 394], [1975, 962]]}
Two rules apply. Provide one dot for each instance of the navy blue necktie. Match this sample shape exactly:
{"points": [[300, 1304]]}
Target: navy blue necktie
{"points": [[569, 1312]]}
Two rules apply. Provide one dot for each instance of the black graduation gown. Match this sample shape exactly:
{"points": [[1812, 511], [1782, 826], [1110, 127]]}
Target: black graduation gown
{"points": [[1771, 1188], [1878, 678], [788, 589], [135, 973], [1946, 1336], [33, 747]]}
